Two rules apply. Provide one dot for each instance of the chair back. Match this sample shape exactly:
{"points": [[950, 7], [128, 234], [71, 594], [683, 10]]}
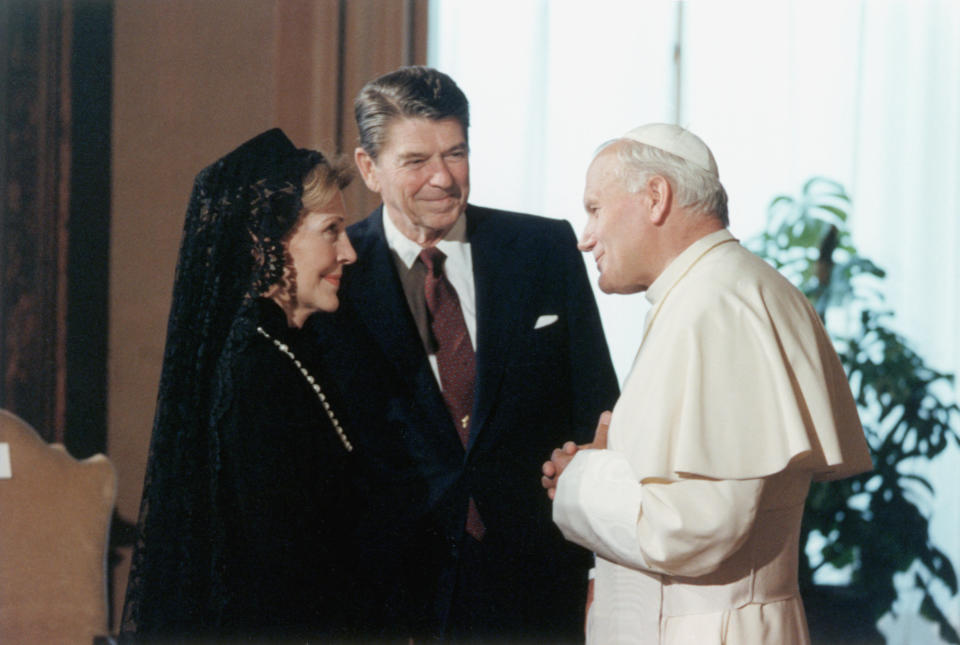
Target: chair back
{"points": [[55, 514]]}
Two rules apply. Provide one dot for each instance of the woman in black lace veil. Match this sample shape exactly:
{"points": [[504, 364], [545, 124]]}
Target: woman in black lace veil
{"points": [[244, 527]]}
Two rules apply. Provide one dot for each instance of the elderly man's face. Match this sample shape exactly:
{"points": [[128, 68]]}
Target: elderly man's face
{"points": [[618, 228], [422, 175]]}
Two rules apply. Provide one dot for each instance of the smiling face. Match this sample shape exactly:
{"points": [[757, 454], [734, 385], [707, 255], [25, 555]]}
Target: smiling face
{"points": [[317, 249], [422, 174], [619, 230]]}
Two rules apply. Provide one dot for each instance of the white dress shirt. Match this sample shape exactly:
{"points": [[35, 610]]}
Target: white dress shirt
{"points": [[458, 268]]}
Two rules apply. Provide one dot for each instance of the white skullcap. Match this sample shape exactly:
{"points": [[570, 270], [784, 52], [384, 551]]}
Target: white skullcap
{"points": [[676, 140]]}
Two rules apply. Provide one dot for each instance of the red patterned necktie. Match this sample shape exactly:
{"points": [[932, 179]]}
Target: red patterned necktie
{"points": [[456, 360]]}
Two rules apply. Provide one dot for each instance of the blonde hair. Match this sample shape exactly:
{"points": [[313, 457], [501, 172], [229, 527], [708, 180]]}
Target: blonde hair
{"points": [[323, 181]]}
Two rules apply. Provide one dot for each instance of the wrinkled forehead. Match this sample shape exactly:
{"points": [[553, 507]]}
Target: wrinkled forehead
{"points": [[605, 163], [404, 132], [602, 174]]}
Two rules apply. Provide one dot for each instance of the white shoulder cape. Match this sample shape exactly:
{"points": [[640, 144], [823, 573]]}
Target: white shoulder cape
{"points": [[736, 377]]}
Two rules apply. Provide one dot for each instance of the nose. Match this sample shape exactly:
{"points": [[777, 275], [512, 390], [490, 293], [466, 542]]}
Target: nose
{"points": [[345, 252], [587, 239], [439, 174]]}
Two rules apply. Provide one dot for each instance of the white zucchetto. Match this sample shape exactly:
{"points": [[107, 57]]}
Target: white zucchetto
{"points": [[678, 141]]}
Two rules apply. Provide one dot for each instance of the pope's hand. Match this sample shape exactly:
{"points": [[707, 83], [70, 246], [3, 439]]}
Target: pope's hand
{"points": [[560, 457], [600, 436]]}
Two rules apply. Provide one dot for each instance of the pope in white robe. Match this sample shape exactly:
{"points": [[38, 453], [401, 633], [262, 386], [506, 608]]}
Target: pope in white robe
{"points": [[735, 401]]}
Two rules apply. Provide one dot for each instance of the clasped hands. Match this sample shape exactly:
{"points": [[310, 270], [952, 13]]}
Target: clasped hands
{"points": [[562, 456]]}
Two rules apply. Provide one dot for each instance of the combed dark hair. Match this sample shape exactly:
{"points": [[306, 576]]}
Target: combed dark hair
{"points": [[407, 92]]}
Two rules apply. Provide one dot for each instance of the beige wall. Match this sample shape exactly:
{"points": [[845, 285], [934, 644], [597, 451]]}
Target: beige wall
{"points": [[184, 93], [193, 79]]}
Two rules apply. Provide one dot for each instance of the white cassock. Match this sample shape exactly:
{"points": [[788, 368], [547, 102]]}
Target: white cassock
{"points": [[735, 401]]}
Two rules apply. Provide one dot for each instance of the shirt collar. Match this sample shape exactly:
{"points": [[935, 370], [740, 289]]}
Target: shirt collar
{"points": [[408, 250], [682, 262]]}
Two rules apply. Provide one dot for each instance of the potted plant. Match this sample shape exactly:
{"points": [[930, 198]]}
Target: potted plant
{"points": [[871, 525]]}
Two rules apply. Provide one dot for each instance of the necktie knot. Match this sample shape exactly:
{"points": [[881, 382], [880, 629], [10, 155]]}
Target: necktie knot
{"points": [[433, 258]]}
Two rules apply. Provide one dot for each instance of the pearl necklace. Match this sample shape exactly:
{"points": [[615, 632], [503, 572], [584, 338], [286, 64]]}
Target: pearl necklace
{"points": [[313, 383]]}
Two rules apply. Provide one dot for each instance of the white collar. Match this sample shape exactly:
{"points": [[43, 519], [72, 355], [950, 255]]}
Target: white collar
{"points": [[408, 250], [682, 262]]}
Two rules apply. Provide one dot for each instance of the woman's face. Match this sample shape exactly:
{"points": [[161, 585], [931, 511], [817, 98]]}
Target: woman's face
{"points": [[318, 248]]}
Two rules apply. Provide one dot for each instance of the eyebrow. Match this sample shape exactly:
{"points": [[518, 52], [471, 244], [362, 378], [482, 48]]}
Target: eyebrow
{"points": [[424, 155], [327, 217]]}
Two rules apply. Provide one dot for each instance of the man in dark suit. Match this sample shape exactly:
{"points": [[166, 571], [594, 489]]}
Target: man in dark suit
{"points": [[487, 326]]}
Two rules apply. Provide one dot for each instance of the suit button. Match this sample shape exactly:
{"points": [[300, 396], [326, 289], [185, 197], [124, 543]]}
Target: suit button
{"points": [[454, 548]]}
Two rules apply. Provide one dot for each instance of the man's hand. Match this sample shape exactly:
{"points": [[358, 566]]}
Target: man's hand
{"points": [[560, 457]]}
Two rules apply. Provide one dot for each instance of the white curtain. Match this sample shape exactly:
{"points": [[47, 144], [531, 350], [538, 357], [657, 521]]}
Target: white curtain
{"points": [[865, 92], [548, 82], [906, 187]]}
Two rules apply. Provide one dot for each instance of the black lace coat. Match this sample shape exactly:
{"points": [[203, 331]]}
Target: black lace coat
{"points": [[256, 521], [286, 494], [269, 548]]}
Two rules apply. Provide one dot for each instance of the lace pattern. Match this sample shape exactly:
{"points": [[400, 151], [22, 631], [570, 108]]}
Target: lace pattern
{"points": [[231, 250]]}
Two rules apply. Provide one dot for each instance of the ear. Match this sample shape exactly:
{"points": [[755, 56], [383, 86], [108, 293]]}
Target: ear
{"points": [[660, 195], [368, 169]]}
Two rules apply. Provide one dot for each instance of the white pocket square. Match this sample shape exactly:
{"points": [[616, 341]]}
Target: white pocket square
{"points": [[544, 320]]}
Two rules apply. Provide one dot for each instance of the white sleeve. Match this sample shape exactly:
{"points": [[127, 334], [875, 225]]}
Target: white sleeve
{"points": [[686, 527]]}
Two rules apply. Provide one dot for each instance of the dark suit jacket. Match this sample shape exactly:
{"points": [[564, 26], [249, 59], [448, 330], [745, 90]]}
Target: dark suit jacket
{"points": [[535, 389]]}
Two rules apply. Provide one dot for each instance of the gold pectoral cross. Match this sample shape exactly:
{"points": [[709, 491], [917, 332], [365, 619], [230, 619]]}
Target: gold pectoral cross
{"points": [[465, 421]]}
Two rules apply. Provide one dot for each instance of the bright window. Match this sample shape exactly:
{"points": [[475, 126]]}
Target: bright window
{"points": [[867, 93]]}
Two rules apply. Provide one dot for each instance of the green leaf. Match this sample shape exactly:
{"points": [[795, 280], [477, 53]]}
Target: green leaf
{"points": [[900, 398]]}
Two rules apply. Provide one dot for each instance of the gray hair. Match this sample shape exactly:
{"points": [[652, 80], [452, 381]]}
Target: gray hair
{"points": [[420, 92], [693, 187]]}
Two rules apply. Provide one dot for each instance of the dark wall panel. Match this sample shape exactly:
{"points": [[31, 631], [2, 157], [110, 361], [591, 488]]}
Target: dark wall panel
{"points": [[89, 225], [33, 212], [55, 60]]}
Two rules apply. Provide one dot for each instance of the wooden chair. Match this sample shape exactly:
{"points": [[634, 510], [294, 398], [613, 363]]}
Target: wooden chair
{"points": [[55, 516]]}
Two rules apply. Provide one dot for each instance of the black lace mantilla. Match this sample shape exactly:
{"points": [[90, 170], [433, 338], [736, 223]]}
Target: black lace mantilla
{"points": [[231, 251]]}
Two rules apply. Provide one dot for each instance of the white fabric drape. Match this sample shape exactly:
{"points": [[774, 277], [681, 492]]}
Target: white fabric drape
{"points": [[867, 93], [906, 189]]}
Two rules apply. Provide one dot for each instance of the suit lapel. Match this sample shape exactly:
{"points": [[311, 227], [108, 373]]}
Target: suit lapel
{"points": [[372, 288], [373, 291], [500, 306]]}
